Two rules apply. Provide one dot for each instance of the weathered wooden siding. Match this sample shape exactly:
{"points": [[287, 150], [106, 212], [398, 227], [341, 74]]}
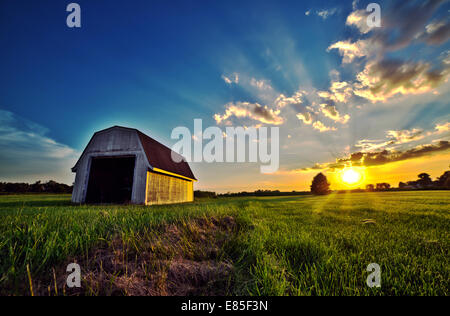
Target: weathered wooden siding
{"points": [[164, 189], [112, 143]]}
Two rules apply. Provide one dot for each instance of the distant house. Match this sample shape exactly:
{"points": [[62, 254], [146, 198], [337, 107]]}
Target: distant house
{"points": [[123, 165]]}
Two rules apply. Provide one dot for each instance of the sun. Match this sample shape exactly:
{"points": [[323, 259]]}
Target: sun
{"points": [[351, 176]]}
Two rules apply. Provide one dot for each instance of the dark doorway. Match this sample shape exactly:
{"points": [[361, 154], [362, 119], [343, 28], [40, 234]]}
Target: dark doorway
{"points": [[110, 180]]}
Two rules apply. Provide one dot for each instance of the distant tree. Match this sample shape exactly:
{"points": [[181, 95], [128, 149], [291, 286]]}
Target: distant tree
{"points": [[402, 185], [205, 194], [370, 187], [383, 186], [425, 179], [37, 187], [320, 185], [444, 180]]}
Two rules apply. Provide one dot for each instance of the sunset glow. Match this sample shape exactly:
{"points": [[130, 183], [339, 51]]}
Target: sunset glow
{"points": [[352, 177]]}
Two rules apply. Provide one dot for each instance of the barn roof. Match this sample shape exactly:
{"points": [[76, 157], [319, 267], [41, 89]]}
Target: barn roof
{"points": [[158, 155]]}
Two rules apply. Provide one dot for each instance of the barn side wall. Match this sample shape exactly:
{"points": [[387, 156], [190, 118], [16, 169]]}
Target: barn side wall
{"points": [[113, 143], [164, 189]]}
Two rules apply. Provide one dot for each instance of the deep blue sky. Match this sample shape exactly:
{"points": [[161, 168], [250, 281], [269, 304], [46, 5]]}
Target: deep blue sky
{"points": [[155, 65]]}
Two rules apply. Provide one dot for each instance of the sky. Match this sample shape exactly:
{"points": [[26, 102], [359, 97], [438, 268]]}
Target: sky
{"points": [[342, 93]]}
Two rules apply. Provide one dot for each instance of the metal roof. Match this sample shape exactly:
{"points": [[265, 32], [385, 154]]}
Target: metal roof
{"points": [[160, 156]]}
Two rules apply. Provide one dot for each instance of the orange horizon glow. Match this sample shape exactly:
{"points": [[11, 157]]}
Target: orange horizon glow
{"points": [[391, 173]]}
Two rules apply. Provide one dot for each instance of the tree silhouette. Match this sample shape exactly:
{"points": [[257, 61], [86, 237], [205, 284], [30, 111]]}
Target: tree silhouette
{"points": [[383, 186], [320, 185], [444, 180], [37, 187], [425, 179]]}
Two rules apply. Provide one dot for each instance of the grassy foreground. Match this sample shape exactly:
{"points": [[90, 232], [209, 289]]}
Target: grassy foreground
{"points": [[279, 246]]}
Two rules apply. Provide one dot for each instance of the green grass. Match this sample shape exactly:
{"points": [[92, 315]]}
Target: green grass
{"points": [[302, 245]]}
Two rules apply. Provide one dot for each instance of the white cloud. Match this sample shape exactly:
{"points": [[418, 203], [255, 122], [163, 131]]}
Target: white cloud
{"points": [[260, 84], [233, 78], [359, 20], [442, 128], [306, 117], [405, 136], [340, 91], [28, 154], [351, 50], [332, 113], [318, 125], [396, 138], [253, 111], [282, 100], [325, 14]]}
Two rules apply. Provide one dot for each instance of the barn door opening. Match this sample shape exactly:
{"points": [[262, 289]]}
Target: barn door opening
{"points": [[110, 180]]}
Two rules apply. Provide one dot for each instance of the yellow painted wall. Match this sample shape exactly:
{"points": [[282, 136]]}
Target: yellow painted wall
{"points": [[163, 189]]}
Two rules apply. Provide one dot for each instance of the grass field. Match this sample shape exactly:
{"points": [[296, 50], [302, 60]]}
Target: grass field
{"points": [[303, 245]]}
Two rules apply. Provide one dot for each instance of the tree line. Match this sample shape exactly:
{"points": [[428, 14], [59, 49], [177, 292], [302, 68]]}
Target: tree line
{"points": [[320, 184], [209, 194], [37, 187], [423, 182]]}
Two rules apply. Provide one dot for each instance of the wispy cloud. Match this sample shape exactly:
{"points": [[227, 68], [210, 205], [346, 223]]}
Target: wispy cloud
{"points": [[394, 138], [358, 19], [352, 50], [323, 13], [318, 125], [437, 32], [305, 117], [332, 113], [260, 84], [326, 13], [252, 111], [27, 153], [230, 79], [443, 128]]}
